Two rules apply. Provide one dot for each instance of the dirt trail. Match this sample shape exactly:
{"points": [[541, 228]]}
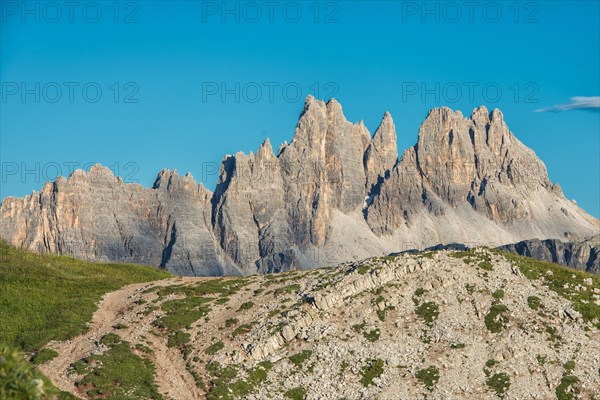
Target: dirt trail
{"points": [[172, 378]]}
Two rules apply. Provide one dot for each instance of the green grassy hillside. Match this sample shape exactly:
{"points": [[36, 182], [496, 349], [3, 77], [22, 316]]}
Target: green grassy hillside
{"points": [[49, 297]]}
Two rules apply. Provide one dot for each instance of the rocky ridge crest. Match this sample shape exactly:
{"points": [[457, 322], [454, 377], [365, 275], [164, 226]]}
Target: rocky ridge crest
{"points": [[335, 193]]}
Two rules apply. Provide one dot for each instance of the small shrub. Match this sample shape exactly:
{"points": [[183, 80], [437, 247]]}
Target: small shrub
{"points": [[534, 302], [259, 373], [372, 370], [372, 335], [240, 330], [359, 327], [110, 339], [486, 265], [569, 365], [230, 322], [363, 269], [178, 338], [299, 358], [287, 289], [496, 318], [567, 389], [381, 314], [463, 254], [429, 376], [246, 306], [297, 393], [553, 335], [43, 356], [214, 348], [499, 383], [144, 349], [498, 294], [429, 311], [541, 359]]}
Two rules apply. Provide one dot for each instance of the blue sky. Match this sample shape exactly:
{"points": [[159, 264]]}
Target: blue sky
{"points": [[161, 67]]}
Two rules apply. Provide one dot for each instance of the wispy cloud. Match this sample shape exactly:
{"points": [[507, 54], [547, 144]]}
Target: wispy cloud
{"points": [[576, 103]]}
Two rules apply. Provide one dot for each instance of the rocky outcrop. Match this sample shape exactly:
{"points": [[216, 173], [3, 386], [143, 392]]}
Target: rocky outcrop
{"points": [[461, 165], [381, 154], [94, 215], [333, 194], [583, 255], [473, 324]]}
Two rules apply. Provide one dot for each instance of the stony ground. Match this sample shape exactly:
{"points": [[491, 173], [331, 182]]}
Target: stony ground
{"points": [[444, 325]]}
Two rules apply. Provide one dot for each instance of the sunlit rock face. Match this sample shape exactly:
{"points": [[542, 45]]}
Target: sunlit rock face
{"points": [[335, 193]]}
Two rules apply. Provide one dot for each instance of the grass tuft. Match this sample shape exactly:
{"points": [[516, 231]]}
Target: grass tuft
{"points": [[43, 356], [117, 373], [496, 319], [298, 359], [429, 311], [372, 370], [429, 377], [214, 348], [499, 383], [534, 302], [297, 393]]}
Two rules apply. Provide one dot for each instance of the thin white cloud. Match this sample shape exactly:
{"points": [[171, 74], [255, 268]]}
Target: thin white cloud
{"points": [[576, 103]]}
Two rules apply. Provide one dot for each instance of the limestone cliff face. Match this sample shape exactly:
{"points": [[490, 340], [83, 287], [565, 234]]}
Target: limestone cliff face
{"points": [[381, 154], [583, 255], [474, 169], [333, 194], [94, 215]]}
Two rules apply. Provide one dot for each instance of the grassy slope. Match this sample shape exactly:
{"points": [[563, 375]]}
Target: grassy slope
{"points": [[49, 297], [567, 282]]}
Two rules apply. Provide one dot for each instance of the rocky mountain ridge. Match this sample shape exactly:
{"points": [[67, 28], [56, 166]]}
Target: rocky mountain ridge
{"points": [[333, 194], [583, 255]]}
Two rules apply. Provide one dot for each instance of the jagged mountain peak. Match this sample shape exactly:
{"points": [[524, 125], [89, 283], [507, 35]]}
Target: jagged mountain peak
{"points": [[171, 180], [164, 177], [334, 109], [99, 169], [265, 150], [96, 171], [333, 194], [444, 113], [386, 131], [481, 114], [382, 152]]}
